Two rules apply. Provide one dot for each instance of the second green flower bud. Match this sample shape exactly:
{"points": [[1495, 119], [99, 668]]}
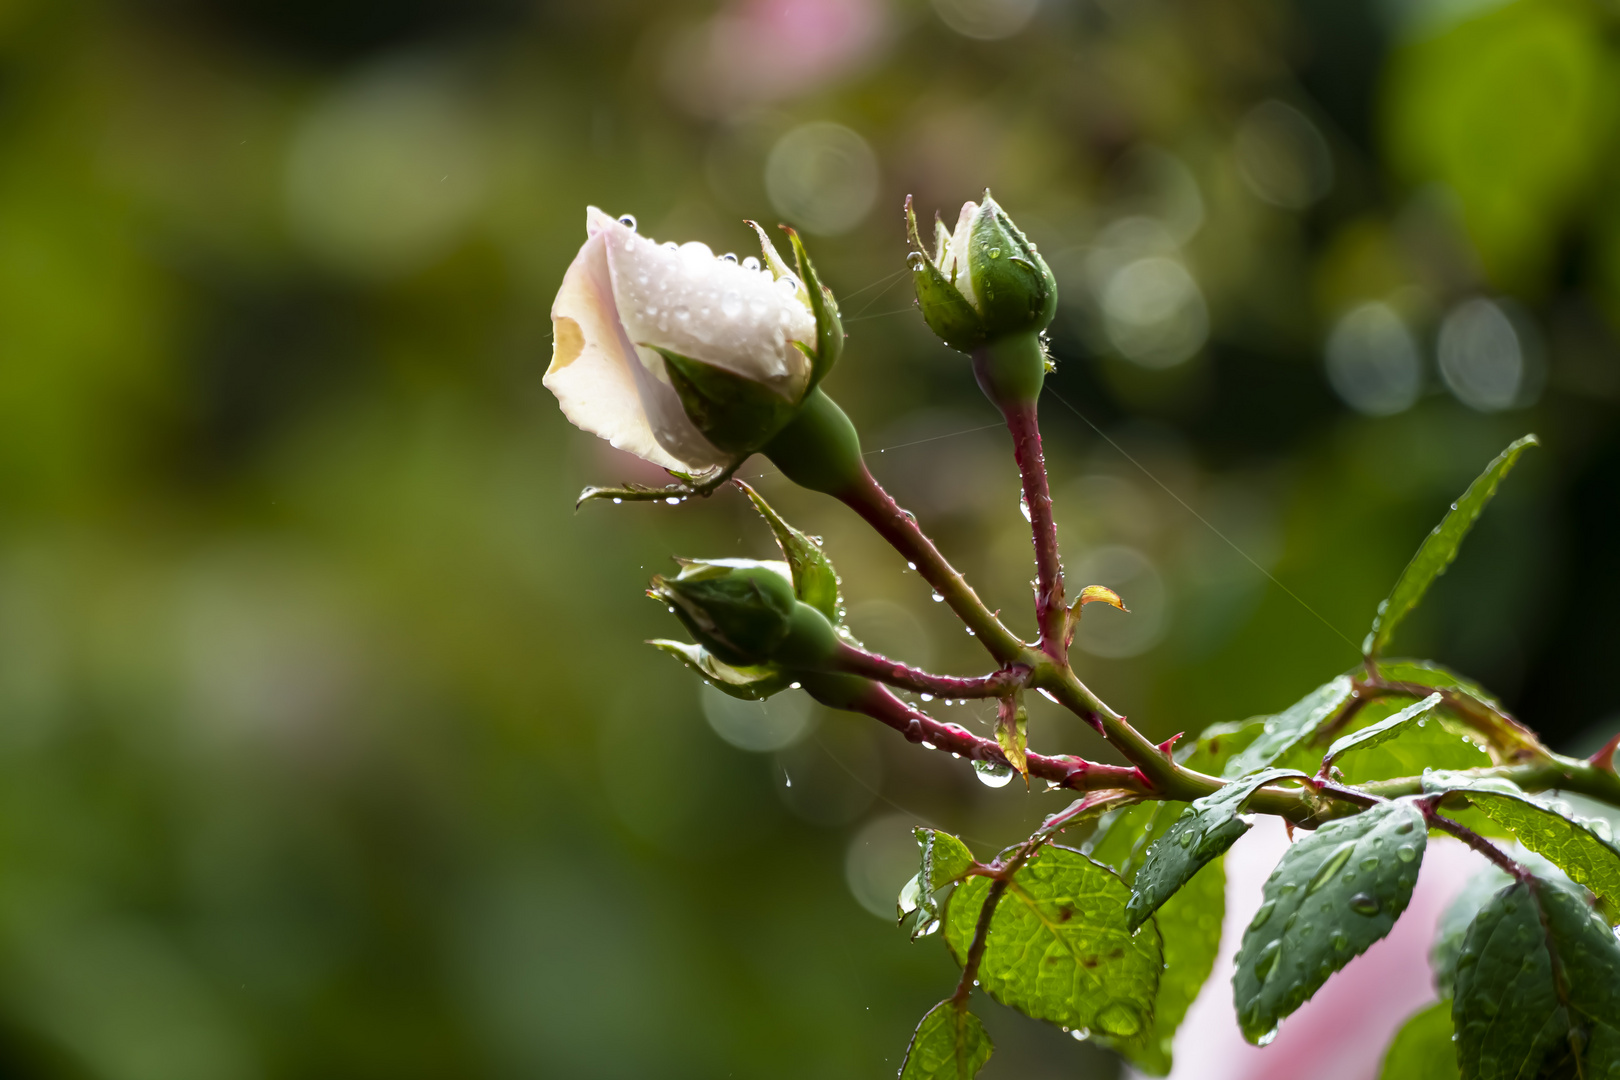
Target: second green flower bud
{"points": [[744, 611]]}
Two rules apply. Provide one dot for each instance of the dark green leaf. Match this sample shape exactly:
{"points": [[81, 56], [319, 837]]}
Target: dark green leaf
{"points": [[1439, 741], [1423, 1049], [1382, 731], [1290, 727], [1439, 548], [1058, 948], [949, 1044], [1189, 924], [1453, 927], [748, 683], [1204, 830], [1333, 894], [1570, 843], [1538, 988], [815, 582]]}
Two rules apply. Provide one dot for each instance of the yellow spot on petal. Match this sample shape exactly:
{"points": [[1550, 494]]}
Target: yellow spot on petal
{"points": [[568, 342]]}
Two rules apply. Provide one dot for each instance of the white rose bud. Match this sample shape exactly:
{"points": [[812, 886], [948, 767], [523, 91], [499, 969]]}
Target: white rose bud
{"points": [[674, 354]]}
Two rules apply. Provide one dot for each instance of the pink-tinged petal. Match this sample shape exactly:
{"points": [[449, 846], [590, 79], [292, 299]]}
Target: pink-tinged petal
{"points": [[689, 301], [593, 367], [1342, 1032], [958, 258]]}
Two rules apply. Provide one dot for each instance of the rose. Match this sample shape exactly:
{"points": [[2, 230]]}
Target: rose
{"points": [[985, 280], [689, 360]]}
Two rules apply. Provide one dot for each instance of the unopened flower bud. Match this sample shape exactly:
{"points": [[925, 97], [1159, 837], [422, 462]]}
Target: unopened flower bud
{"points": [[984, 280], [682, 357], [745, 612]]}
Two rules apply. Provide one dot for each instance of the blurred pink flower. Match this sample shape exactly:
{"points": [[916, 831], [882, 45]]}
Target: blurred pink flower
{"points": [[758, 51], [1342, 1032]]}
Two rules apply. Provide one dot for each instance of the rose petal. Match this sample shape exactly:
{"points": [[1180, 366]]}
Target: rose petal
{"points": [[593, 368], [957, 269], [689, 301]]}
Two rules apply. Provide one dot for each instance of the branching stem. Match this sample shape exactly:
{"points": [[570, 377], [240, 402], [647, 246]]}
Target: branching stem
{"points": [[1468, 836], [855, 661]]}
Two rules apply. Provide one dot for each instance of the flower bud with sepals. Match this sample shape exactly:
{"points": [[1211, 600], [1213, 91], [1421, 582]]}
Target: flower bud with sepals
{"points": [[745, 613], [987, 292]]}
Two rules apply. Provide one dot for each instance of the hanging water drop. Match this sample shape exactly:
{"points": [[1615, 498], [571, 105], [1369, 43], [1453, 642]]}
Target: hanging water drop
{"points": [[617, 501], [927, 697], [938, 598], [628, 221], [916, 260], [993, 773], [911, 566], [673, 501], [1023, 507]]}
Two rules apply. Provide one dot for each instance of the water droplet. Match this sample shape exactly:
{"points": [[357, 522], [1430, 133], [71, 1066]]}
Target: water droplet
{"points": [[927, 697], [929, 746], [1261, 915], [1267, 960], [731, 304], [1364, 904], [1331, 867], [1186, 838], [971, 633], [617, 501], [1406, 826], [938, 598], [909, 894], [1268, 1037], [730, 257], [1080, 1034], [929, 927], [911, 566], [1406, 853], [995, 253], [670, 245], [1118, 1018], [628, 221], [915, 260], [1023, 507], [993, 773], [750, 263], [683, 314], [795, 686], [1370, 863], [1048, 695], [1341, 940], [673, 501]]}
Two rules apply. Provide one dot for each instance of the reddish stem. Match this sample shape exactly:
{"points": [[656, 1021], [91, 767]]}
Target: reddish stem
{"points": [[981, 936], [854, 661], [1064, 771], [1051, 614], [1471, 838]]}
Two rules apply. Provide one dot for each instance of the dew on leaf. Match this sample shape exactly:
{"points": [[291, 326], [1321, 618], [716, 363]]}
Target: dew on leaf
{"points": [[1364, 904]]}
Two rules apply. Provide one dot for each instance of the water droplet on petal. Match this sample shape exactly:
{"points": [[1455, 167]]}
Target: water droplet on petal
{"points": [[993, 773], [731, 304], [730, 257], [750, 263], [628, 221]]}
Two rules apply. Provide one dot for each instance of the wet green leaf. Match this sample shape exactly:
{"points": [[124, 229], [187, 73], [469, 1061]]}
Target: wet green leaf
{"points": [[945, 860], [1382, 731], [1058, 948], [949, 1044], [1441, 741], [1422, 1048], [1453, 927], [1573, 844], [1439, 548], [815, 582], [1012, 733], [1203, 831], [1189, 925], [1333, 894], [1290, 727], [748, 683], [1537, 987]]}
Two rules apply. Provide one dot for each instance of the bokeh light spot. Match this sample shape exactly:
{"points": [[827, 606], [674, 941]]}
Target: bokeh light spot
{"points": [[1373, 361], [822, 177], [1154, 312], [759, 726]]}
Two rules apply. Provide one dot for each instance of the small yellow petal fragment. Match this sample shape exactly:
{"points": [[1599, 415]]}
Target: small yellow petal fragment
{"points": [[1101, 594]]}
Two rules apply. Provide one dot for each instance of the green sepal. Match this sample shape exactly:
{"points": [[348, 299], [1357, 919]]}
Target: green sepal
{"points": [[739, 609], [944, 308], [700, 484], [776, 265], [1334, 893], [819, 448], [753, 683], [1014, 287], [829, 327], [949, 1044], [737, 415], [815, 582], [1439, 548]]}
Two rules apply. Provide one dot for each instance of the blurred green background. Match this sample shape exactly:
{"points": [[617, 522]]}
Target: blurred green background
{"points": [[328, 746]]}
